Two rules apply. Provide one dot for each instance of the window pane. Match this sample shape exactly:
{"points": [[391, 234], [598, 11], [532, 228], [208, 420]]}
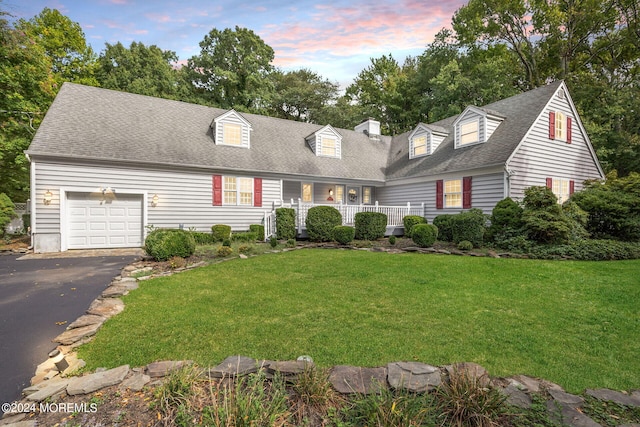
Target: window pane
{"points": [[229, 190], [328, 147], [560, 126], [453, 200], [246, 191], [307, 193], [469, 132], [453, 193], [232, 134], [453, 186], [340, 193], [420, 145], [366, 195]]}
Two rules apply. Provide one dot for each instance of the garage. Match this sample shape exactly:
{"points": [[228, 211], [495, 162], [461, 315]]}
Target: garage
{"points": [[97, 220]]}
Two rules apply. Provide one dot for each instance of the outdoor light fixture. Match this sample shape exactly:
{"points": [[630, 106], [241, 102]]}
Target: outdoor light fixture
{"points": [[47, 197], [154, 200]]}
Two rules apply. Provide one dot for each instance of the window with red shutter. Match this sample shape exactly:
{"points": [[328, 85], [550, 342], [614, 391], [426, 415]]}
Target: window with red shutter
{"points": [[568, 130], [439, 194], [217, 190], [257, 192], [552, 125], [466, 192]]}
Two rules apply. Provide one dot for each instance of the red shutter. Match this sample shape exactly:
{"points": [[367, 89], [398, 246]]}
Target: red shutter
{"points": [[568, 130], [552, 125], [257, 192], [217, 190], [439, 194], [572, 187], [466, 192], [550, 183]]}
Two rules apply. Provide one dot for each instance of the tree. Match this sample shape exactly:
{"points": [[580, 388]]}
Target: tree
{"points": [[145, 70], [63, 41], [232, 69], [300, 95]]}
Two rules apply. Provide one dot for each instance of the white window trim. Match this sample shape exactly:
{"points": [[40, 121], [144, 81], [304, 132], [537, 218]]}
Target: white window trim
{"points": [[560, 126], [427, 144], [237, 191], [445, 194], [310, 184], [335, 146], [477, 132]]}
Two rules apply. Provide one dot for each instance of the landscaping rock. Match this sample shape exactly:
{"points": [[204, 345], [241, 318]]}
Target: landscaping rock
{"points": [[86, 320], [165, 367], [569, 416], [74, 335], [517, 397], [566, 399], [234, 366], [10, 419], [471, 371], [354, 379], [413, 376], [118, 289], [136, 382], [289, 369], [48, 389], [26, 423], [106, 307], [411, 249], [533, 385], [615, 397], [96, 381]]}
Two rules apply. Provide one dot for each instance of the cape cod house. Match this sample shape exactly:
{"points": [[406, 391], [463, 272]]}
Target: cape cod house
{"points": [[105, 165]]}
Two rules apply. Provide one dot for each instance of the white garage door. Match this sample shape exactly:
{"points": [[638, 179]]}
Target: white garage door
{"points": [[104, 221]]}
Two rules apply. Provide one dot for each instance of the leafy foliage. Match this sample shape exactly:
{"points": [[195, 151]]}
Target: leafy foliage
{"points": [[221, 232], [258, 229], [343, 234], [286, 223], [320, 222], [444, 223], [543, 219], [424, 235], [469, 226], [506, 217], [163, 244], [370, 225], [409, 221], [7, 212]]}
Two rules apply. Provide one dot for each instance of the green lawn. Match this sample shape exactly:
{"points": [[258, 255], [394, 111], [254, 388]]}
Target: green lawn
{"points": [[574, 323]]}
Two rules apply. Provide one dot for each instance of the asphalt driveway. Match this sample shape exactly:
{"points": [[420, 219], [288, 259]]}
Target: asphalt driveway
{"points": [[38, 298]]}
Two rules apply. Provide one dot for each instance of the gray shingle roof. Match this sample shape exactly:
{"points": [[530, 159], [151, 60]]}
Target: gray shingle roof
{"points": [[92, 123]]}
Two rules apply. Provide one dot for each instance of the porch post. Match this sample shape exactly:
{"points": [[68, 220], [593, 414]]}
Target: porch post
{"points": [[299, 213]]}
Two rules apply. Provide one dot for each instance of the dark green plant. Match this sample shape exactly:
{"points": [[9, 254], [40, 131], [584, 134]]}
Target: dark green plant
{"points": [[343, 234], [286, 223], [226, 242], [588, 250], [543, 219], [424, 235], [321, 221], [409, 221], [471, 226], [370, 225], [291, 243], [7, 212], [444, 223], [465, 245], [202, 238], [246, 236], [221, 232], [506, 219], [392, 240], [391, 408], [273, 241], [258, 230], [163, 244], [576, 219]]}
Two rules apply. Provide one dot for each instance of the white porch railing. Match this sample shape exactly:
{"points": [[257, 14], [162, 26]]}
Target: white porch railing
{"points": [[269, 224]]}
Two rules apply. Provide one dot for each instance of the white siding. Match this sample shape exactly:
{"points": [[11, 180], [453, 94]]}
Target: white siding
{"points": [[184, 197], [539, 157], [436, 140], [486, 191], [491, 126]]}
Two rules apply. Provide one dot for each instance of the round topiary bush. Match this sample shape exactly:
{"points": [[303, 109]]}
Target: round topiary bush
{"points": [[163, 244], [465, 245], [392, 240], [320, 222], [221, 232], [370, 225], [424, 235], [409, 221], [343, 234]]}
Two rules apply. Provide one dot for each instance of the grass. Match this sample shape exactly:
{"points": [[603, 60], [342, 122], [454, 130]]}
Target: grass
{"points": [[573, 323]]}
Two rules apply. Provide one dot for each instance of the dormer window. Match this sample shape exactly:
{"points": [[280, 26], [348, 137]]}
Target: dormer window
{"points": [[425, 139], [231, 128], [419, 146], [328, 147], [326, 142], [470, 132]]}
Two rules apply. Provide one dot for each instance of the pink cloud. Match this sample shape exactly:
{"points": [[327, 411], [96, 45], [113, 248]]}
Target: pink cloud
{"points": [[126, 28]]}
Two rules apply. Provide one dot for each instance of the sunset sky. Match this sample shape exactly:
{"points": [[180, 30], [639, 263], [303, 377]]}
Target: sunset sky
{"points": [[333, 38]]}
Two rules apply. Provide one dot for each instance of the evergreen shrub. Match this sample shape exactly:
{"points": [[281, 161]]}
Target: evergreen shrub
{"points": [[409, 221], [163, 244], [444, 223], [469, 226], [343, 234], [258, 229], [320, 222], [370, 225], [221, 232], [285, 223], [424, 235]]}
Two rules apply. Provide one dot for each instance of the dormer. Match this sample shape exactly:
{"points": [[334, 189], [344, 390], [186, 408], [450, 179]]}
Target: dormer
{"points": [[232, 129], [425, 139], [475, 126], [326, 142]]}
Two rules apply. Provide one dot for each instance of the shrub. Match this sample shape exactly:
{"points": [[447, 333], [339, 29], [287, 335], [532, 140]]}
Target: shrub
{"points": [[258, 230], [465, 245], [543, 219], [291, 243], [506, 218], [224, 251], [7, 212], [246, 236], [370, 225], [576, 219], [226, 242], [392, 240], [469, 226], [177, 262], [163, 244], [589, 250], [424, 235], [409, 221], [245, 249], [343, 234], [221, 232], [444, 223], [321, 221], [273, 242], [202, 238], [285, 223]]}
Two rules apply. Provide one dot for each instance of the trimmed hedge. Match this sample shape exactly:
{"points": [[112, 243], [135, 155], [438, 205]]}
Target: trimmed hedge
{"points": [[320, 222], [424, 235], [163, 244], [469, 226], [202, 238], [285, 223], [221, 232], [246, 236], [444, 223], [258, 230], [409, 221], [343, 234], [370, 225]]}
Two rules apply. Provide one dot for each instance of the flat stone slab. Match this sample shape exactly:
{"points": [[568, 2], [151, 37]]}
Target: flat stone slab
{"points": [[165, 367], [26, 423], [289, 368], [86, 320], [234, 366], [136, 382], [73, 335], [615, 397], [48, 389], [413, 376], [533, 385], [96, 381], [470, 370], [517, 397], [106, 307], [353, 379], [118, 289], [569, 416], [566, 398]]}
